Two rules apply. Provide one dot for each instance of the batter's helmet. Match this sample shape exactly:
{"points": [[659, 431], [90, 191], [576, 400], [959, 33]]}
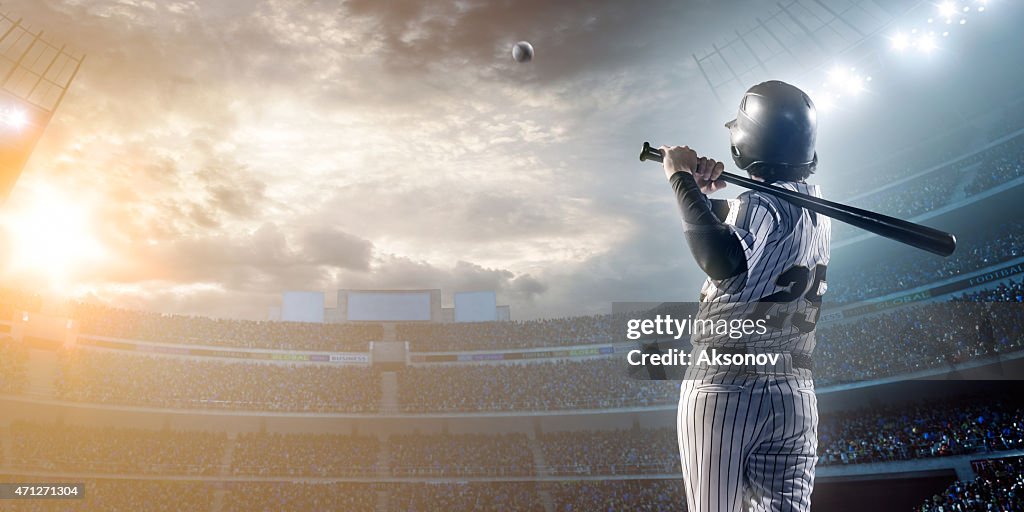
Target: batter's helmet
{"points": [[776, 125]]}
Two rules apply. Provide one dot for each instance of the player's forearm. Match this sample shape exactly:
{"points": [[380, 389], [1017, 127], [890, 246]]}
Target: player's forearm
{"points": [[715, 247]]}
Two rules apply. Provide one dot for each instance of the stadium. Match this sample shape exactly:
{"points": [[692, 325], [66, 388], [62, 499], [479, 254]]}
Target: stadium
{"points": [[431, 396]]}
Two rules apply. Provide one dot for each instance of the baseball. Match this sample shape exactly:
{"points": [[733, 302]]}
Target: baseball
{"points": [[522, 52]]}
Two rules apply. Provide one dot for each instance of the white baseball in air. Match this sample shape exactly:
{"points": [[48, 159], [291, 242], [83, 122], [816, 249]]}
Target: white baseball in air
{"points": [[522, 52]]}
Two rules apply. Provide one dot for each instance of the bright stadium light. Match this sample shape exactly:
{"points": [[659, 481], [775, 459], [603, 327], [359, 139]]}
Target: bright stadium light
{"points": [[14, 117], [947, 9], [900, 41]]}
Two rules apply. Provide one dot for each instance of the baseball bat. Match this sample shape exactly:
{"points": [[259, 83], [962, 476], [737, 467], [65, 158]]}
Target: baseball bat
{"points": [[914, 235]]}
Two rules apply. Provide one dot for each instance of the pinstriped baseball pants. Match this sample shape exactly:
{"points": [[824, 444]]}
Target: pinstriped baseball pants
{"points": [[748, 442]]}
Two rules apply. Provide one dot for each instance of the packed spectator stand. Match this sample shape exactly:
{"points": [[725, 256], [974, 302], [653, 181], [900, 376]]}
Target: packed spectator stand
{"points": [[563, 384], [315, 497], [984, 170], [981, 424], [299, 454], [633, 495], [936, 428], [461, 455], [632, 451], [428, 497], [976, 250], [13, 368], [115, 450], [110, 377], [197, 330], [895, 342], [999, 486], [578, 330]]}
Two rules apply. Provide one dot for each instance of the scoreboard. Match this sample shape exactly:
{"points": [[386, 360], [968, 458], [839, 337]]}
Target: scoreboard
{"points": [[389, 305]]}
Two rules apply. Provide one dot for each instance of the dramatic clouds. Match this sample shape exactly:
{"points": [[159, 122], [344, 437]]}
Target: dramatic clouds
{"points": [[228, 151]]}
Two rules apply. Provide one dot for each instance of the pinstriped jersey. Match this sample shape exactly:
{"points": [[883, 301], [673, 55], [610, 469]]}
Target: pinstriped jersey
{"points": [[787, 251]]}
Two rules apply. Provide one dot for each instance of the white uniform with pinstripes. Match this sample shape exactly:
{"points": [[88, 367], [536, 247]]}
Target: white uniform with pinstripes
{"points": [[748, 435]]}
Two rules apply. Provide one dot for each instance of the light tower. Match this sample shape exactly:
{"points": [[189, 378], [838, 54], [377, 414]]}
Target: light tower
{"points": [[35, 74]]}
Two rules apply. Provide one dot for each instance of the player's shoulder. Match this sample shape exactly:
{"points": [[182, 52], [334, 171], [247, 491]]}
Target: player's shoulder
{"points": [[753, 200]]}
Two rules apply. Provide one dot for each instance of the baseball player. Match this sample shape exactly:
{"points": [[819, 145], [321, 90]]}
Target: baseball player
{"points": [[748, 433]]}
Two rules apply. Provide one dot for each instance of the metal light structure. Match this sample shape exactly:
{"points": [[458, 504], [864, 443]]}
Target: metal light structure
{"points": [[797, 38], [35, 74]]}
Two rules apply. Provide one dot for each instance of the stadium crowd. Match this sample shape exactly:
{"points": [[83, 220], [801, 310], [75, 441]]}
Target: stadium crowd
{"points": [[58, 447], [611, 452], [140, 325], [1010, 291], [933, 428], [87, 375], [463, 496], [312, 497], [976, 250], [923, 429], [915, 338], [977, 173], [460, 455], [1000, 168], [615, 495], [908, 160], [577, 330], [13, 368], [999, 486], [872, 346], [563, 384], [318, 455]]}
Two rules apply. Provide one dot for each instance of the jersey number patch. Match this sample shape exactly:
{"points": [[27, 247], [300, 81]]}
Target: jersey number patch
{"points": [[799, 282]]}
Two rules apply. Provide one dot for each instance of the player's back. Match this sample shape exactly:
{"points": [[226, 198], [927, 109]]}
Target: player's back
{"points": [[787, 251]]}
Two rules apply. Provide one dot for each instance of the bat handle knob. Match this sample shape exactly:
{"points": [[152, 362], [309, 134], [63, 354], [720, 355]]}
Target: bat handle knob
{"points": [[650, 153]]}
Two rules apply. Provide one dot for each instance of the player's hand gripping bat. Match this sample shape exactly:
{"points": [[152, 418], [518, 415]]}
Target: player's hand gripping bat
{"points": [[915, 235]]}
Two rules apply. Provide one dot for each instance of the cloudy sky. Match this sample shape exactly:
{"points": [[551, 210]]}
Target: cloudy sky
{"points": [[211, 155]]}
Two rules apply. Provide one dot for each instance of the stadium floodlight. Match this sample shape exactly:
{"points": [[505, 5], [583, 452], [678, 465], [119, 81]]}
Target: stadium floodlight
{"points": [[947, 9], [37, 73], [900, 41], [13, 117]]}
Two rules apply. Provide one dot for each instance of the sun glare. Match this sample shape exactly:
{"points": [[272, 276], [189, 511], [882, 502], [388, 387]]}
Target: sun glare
{"points": [[49, 235]]}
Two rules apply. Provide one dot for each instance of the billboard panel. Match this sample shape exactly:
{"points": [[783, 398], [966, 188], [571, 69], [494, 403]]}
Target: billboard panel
{"points": [[476, 307], [366, 306], [303, 307]]}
